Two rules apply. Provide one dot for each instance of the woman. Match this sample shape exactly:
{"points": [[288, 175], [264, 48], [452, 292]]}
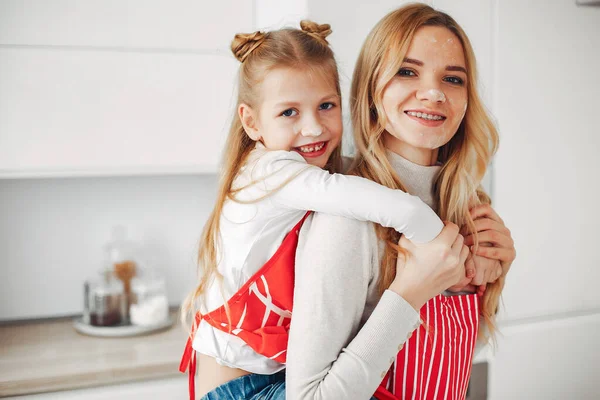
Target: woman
{"points": [[419, 125]]}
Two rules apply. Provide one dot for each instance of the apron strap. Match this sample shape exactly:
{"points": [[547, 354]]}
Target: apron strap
{"points": [[188, 360]]}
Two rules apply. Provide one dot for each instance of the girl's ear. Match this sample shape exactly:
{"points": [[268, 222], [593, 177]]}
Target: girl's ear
{"points": [[249, 119]]}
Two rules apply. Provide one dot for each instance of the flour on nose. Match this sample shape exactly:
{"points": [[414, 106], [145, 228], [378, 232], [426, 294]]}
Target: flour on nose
{"points": [[436, 95]]}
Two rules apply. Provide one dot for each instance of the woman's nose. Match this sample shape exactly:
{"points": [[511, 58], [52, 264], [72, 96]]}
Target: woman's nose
{"points": [[434, 95]]}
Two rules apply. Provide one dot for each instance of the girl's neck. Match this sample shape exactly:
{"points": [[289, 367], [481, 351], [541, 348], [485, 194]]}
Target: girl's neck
{"points": [[420, 156]]}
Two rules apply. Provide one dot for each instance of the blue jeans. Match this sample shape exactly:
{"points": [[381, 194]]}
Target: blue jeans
{"points": [[251, 387]]}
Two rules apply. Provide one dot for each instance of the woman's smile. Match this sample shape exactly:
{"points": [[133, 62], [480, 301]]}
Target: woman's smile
{"points": [[426, 118]]}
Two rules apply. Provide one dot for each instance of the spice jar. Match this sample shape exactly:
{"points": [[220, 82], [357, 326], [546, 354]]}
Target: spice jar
{"points": [[104, 303]]}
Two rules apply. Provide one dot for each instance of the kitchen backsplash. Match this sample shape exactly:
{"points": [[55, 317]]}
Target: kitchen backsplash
{"points": [[52, 233]]}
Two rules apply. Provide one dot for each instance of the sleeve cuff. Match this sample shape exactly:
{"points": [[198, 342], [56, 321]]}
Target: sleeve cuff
{"points": [[390, 325]]}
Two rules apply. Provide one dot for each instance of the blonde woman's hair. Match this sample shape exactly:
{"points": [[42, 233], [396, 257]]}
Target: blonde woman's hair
{"points": [[259, 53], [464, 158]]}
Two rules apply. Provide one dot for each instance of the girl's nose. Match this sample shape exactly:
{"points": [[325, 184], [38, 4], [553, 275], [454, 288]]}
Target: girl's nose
{"points": [[432, 94], [312, 129]]}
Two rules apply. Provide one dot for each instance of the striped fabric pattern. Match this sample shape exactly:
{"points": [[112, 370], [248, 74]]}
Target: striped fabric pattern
{"points": [[435, 363]]}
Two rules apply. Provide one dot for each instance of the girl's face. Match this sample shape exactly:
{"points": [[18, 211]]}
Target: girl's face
{"points": [[299, 111], [426, 101]]}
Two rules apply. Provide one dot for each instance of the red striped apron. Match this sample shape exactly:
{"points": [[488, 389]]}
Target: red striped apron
{"points": [[260, 311], [435, 363]]}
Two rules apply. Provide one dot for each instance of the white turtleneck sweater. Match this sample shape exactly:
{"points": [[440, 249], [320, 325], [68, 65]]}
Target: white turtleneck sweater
{"points": [[344, 336]]}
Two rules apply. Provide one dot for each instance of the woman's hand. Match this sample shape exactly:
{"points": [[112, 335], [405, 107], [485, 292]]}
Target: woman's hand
{"points": [[431, 267], [496, 251]]}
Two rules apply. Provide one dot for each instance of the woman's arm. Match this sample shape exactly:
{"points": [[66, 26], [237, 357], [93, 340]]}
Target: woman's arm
{"points": [[328, 358], [336, 264], [292, 183]]}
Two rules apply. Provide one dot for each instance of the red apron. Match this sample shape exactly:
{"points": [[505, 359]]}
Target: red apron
{"points": [[435, 362], [260, 311]]}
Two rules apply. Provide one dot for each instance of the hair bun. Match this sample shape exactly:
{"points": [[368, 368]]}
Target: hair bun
{"points": [[318, 31], [244, 43]]}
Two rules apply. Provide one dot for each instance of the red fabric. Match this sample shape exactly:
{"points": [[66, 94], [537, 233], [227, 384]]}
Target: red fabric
{"points": [[260, 311], [435, 363]]}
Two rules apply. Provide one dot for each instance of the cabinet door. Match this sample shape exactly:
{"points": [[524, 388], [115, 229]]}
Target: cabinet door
{"points": [[116, 87]]}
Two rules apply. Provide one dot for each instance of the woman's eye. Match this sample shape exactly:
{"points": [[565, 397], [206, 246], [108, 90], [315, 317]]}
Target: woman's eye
{"points": [[406, 72], [290, 112], [326, 106], [454, 80]]}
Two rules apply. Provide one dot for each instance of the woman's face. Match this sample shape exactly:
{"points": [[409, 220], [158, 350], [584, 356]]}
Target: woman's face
{"points": [[426, 101]]}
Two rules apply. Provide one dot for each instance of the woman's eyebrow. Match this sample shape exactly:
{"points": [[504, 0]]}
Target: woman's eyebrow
{"points": [[448, 68], [456, 68], [413, 61]]}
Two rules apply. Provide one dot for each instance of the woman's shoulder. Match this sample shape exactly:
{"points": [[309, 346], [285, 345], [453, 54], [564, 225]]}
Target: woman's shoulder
{"points": [[336, 223], [337, 248], [332, 232]]}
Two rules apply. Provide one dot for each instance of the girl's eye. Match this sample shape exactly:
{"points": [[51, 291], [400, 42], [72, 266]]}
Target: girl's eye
{"points": [[290, 112], [406, 72], [454, 80], [326, 106]]}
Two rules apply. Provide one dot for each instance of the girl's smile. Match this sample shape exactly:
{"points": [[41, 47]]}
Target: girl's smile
{"points": [[299, 111], [312, 149]]}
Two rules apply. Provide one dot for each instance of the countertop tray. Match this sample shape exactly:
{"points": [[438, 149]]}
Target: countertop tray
{"points": [[120, 330]]}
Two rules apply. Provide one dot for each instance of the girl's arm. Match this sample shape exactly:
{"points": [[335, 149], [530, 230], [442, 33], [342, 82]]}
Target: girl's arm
{"points": [[297, 185], [328, 357]]}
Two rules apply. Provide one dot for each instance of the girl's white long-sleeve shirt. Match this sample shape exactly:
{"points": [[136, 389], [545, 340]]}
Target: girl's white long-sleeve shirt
{"points": [[275, 189]]}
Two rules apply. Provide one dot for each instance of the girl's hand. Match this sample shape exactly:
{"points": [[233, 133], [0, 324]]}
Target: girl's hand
{"points": [[496, 250], [431, 267]]}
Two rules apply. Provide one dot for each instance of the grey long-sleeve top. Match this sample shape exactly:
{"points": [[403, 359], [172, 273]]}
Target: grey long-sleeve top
{"points": [[344, 336]]}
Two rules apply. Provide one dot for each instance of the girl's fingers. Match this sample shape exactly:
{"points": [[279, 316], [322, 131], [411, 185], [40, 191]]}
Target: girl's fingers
{"points": [[464, 253], [470, 267], [487, 276], [479, 273], [456, 247], [481, 290]]}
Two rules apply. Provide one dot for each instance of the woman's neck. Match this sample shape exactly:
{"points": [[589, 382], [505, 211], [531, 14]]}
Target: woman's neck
{"points": [[417, 179], [417, 155]]}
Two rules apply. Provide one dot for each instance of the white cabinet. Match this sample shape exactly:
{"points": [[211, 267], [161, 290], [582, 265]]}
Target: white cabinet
{"points": [[116, 87], [169, 388]]}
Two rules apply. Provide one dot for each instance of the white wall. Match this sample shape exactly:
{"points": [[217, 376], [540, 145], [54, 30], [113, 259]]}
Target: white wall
{"points": [[538, 65], [52, 233]]}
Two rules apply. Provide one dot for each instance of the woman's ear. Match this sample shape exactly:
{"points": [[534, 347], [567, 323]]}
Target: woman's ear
{"points": [[249, 119]]}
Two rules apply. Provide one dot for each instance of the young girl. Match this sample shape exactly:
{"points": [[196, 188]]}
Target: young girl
{"points": [[288, 127], [419, 125]]}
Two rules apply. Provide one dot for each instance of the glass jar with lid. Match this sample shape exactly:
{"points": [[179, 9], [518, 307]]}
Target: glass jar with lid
{"points": [[149, 302], [104, 302]]}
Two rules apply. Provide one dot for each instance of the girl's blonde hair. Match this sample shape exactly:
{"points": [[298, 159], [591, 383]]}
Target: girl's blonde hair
{"points": [[464, 158], [258, 53]]}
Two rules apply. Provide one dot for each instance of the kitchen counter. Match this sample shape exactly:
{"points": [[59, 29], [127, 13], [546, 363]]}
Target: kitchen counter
{"points": [[50, 355]]}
